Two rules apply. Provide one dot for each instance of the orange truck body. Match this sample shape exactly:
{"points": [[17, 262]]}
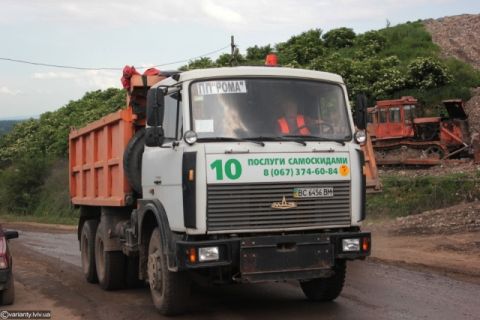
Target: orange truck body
{"points": [[97, 176], [96, 161]]}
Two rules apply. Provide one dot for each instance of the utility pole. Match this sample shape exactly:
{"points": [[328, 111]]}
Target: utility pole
{"points": [[234, 52], [232, 44]]}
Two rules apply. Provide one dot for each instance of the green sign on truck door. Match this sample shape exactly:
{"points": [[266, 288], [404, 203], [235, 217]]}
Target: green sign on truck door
{"points": [[281, 167]]}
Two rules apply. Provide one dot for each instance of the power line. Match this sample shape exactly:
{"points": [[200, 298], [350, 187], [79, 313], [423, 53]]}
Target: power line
{"points": [[106, 68]]}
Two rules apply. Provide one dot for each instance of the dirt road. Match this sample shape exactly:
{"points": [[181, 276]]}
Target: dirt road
{"points": [[48, 277]]}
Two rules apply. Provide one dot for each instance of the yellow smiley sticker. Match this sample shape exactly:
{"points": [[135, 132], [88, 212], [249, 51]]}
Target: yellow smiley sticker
{"points": [[344, 170]]}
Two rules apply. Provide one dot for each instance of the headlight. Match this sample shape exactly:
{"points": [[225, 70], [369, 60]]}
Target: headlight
{"points": [[190, 137], [208, 254], [350, 245], [360, 136]]}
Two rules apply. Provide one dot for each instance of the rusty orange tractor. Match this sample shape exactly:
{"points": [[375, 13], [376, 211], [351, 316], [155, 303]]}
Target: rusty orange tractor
{"points": [[399, 137]]}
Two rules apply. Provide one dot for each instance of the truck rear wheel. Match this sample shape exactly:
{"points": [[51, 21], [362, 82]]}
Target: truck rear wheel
{"points": [[110, 265], [326, 289], [87, 250], [169, 290]]}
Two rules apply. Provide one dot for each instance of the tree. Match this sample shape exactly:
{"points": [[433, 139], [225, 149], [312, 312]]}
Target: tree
{"points": [[427, 73], [371, 42], [48, 135], [200, 63], [339, 38], [224, 60], [258, 53], [301, 49], [21, 183]]}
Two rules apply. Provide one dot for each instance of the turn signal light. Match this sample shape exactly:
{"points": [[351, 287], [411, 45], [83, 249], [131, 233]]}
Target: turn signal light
{"points": [[365, 244], [192, 255]]}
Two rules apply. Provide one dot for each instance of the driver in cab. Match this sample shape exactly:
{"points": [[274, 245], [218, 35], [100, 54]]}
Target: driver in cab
{"points": [[293, 122]]}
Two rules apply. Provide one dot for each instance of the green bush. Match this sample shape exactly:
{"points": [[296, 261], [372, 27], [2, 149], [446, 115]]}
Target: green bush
{"points": [[339, 38], [427, 73], [20, 184], [301, 49], [258, 53]]}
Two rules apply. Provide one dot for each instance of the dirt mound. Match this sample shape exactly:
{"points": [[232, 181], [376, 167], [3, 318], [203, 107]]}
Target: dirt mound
{"points": [[457, 36], [460, 218], [472, 108]]}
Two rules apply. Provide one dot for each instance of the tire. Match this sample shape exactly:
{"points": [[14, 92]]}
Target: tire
{"points": [[132, 160], [87, 250], [131, 276], [169, 290], [7, 296], [110, 265], [326, 289]]}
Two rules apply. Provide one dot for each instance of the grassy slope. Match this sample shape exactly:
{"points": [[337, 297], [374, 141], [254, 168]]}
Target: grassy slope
{"points": [[403, 196]]}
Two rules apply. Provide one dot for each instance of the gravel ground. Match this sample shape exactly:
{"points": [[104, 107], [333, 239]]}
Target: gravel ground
{"points": [[460, 218], [447, 167]]}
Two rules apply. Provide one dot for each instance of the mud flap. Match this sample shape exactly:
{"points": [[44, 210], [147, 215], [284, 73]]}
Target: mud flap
{"points": [[277, 258]]}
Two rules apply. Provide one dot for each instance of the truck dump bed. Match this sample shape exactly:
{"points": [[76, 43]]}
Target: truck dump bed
{"points": [[97, 176], [96, 161]]}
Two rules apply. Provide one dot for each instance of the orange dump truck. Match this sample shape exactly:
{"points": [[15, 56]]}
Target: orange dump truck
{"points": [[194, 180]]}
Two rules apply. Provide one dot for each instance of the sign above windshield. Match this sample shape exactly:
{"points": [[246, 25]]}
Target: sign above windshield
{"points": [[221, 87]]}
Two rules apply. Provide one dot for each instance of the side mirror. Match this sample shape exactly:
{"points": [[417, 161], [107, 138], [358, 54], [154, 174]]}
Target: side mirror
{"points": [[154, 135], [155, 106], [361, 111], [10, 234]]}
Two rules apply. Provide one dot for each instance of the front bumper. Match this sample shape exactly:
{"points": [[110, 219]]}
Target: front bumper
{"points": [[276, 257]]}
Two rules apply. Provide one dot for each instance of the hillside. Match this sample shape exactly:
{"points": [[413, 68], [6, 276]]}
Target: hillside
{"points": [[7, 125]]}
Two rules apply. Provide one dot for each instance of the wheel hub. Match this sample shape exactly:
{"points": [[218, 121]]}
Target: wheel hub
{"points": [[154, 271]]}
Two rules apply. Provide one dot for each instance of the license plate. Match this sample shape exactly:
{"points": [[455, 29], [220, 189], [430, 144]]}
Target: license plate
{"points": [[313, 192]]}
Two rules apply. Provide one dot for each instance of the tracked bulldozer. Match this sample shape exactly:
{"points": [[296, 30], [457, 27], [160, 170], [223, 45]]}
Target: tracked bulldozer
{"points": [[400, 137]]}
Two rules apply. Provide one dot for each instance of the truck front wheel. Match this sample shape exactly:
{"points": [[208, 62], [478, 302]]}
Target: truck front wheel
{"points": [[87, 250], [170, 290], [110, 265], [326, 289]]}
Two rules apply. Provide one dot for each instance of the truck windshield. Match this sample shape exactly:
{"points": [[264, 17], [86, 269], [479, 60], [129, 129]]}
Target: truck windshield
{"points": [[265, 108]]}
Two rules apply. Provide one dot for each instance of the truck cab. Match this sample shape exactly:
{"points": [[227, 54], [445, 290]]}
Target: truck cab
{"points": [[393, 119], [248, 174]]}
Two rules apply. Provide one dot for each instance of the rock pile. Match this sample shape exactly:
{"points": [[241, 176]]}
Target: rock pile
{"points": [[457, 36], [464, 217]]}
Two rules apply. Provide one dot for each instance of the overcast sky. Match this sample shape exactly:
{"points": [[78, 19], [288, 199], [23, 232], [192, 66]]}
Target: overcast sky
{"points": [[113, 33]]}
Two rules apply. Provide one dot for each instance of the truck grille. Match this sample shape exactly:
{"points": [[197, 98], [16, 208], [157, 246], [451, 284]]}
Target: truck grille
{"points": [[248, 206]]}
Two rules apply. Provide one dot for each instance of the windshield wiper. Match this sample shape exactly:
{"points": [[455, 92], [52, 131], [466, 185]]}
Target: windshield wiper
{"points": [[236, 140], [277, 138], [315, 138]]}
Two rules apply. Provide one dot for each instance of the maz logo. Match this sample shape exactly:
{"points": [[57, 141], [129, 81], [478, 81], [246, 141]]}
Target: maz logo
{"points": [[284, 204]]}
